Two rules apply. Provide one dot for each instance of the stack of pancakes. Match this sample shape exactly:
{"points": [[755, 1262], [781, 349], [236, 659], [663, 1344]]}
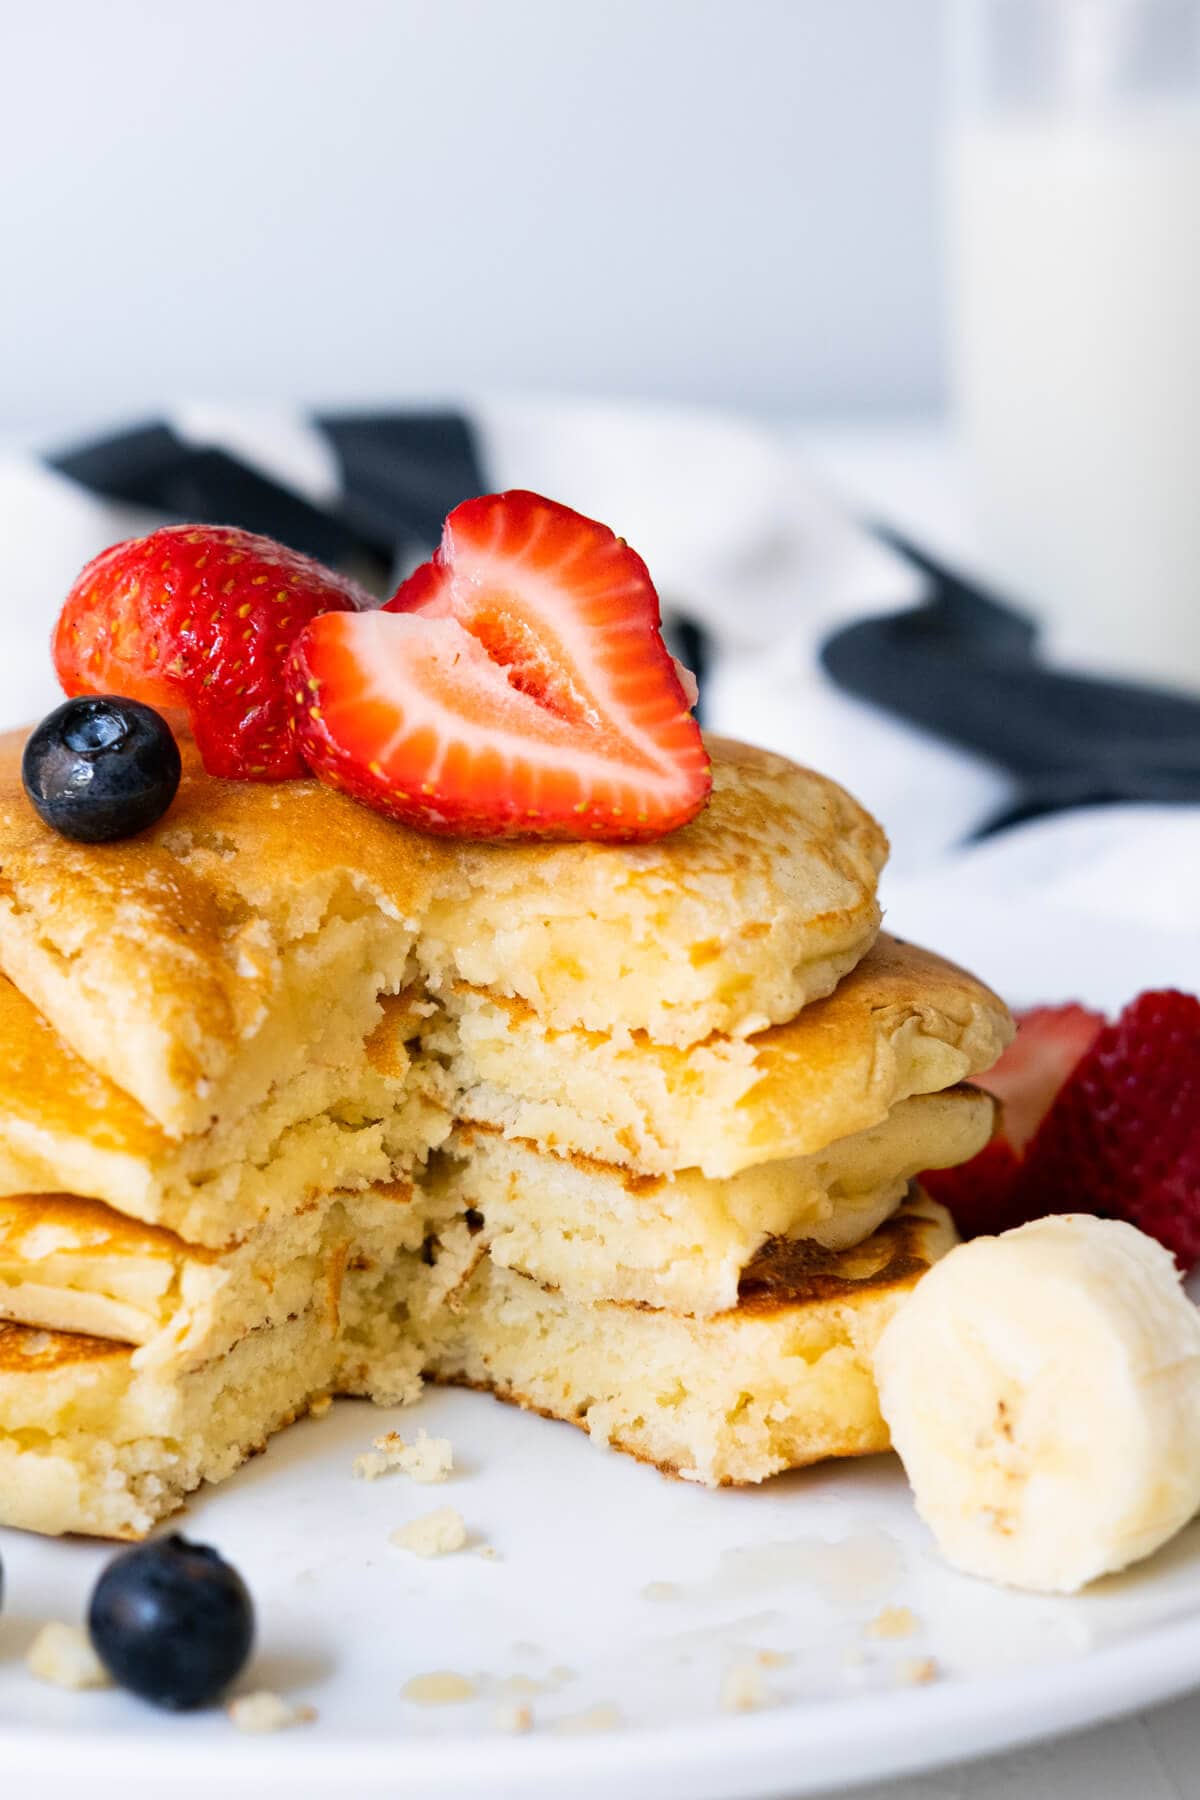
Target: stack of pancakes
{"points": [[295, 1102]]}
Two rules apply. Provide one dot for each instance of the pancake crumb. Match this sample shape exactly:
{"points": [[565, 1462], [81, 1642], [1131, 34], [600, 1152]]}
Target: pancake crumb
{"points": [[743, 1688], [370, 1465], [660, 1590], [892, 1622], [513, 1718], [319, 1406], [437, 1533], [488, 1552], [63, 1656], [426, 1459], [917, 1671], [265, 1711], [519, 1687], [440, 1687], [604, 1717]]}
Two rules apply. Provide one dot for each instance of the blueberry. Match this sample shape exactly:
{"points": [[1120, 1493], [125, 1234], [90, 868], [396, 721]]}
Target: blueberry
{"points": [[101, 768], [172, 1622]]}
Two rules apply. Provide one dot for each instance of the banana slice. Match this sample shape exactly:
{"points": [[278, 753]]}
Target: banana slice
{"points": [[1043, 1391]]}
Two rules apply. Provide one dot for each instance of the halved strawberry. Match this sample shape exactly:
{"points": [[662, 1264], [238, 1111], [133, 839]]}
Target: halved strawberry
{"points": [[199, 619], [1050, 1041], [1096, 1118], [984, 1195], [517, 685]]}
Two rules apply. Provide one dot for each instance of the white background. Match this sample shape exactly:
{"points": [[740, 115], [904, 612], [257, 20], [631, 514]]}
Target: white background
{"points": [[723, 200]]}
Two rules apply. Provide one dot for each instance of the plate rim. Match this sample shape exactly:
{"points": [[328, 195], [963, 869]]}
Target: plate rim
{"points": [[902, 1731]]}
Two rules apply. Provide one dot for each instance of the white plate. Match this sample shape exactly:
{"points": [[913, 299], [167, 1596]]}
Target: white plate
{"points": [[800, 1566]]}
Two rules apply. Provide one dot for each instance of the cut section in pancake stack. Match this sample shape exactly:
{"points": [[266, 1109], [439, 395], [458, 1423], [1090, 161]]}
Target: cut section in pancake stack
{"points": [[692, 1251], [295, 1102]]}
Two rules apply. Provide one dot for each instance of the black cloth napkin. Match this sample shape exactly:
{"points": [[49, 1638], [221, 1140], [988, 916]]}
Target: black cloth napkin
{"points": [[963, 665], [400, 474]]}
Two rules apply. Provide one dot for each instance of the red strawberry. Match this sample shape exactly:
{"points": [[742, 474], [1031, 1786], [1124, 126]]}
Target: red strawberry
{"points": [[982, 1196], [1123, 1136], [1098, 1119], [516, 686], [1050, 1041], [200, 618]]}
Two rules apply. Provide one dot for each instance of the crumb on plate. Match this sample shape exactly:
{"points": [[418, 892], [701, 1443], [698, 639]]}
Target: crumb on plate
{"points": [[265, 1711], [743, 1688], [440, 1687], [437, 1533], [892, 1622], [63, 1656], [660, 1590], [370, 1466], [512, 1718], [426, 1459], [604, 1717]]}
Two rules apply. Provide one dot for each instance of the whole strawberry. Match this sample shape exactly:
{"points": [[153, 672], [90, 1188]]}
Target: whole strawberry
{"points": [[200, 619]]}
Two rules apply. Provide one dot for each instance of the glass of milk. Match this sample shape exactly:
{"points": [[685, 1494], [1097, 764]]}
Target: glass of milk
{"points": [[1075, 280]]}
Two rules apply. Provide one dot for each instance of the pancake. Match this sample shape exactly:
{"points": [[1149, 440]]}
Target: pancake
{"points": [[90, 1442], [903, 1022], [87, 1445], [77, 1266], [345, 1121], [601, 1232], [735, 922], [196, 965], [782, 1380]]}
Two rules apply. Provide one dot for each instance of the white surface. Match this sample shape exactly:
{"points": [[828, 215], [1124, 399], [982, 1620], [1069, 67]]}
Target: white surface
{"points": [[293, 199], [800, 1566]]}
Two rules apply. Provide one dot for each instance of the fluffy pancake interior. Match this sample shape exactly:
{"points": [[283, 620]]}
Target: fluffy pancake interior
{"points": [[598, 1231], [735, 921], [77, 1266], [903, 1022], [782, 1380], [196, 964], [92, 1440], [353, 1116]]}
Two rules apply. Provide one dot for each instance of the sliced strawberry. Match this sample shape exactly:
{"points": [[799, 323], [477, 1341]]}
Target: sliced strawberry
{"points": [[1049, 1043], [516, 686], [200, 619], [1096, 1118], [983, 1195], [1123, 1136]]}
